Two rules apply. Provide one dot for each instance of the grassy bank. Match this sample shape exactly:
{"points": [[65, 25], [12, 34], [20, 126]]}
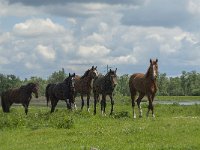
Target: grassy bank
{"points": [[175, 127], [127, 99]]}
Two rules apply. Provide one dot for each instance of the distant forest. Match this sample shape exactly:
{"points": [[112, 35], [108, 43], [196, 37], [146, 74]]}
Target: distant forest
{"points": [[187, 84]]}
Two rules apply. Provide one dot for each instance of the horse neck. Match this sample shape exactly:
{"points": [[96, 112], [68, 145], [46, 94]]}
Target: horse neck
{"points": [[149, 76], [107, 81], [87, 79], [27, 89]]}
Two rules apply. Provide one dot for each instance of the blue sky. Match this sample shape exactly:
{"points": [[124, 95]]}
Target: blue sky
{"points": [[40, 37]]}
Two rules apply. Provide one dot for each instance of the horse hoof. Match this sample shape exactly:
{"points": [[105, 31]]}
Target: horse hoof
{"points": [[153, 116]]}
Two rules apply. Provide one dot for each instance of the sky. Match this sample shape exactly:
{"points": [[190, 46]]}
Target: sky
{"points": [[38, 37]]}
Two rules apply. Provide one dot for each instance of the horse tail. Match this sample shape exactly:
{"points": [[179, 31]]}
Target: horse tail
{"points": [[47, 93], [3, 102], [131, 80]]}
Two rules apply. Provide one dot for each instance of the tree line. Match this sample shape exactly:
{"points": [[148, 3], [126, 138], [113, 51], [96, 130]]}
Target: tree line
{"points": [[187, 84]]}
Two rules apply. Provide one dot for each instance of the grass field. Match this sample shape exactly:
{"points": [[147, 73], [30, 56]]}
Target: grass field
{"points": [[175, 127]]}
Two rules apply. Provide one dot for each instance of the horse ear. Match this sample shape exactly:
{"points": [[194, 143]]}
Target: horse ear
{"points": [[69, 74], [92, 67], [150, 61], [110, 70], [156, 60], [74, 74], [96, 67], [115, 70]]}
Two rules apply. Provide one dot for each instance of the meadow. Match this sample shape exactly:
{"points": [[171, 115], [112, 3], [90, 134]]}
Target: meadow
{"points": [[175, 127]]}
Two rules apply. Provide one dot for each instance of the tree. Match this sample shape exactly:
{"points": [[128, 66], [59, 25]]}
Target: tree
{"points": [[57, 76], [163, 83]]}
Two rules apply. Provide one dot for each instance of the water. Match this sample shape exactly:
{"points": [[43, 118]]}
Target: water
{"points": [[187, 103]]}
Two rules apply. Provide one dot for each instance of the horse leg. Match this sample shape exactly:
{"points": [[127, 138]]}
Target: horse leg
{"points": [[68, 104], [88, 102], [95, 102], [112, 103], [133, 94], [82, 102], [141, 95], [53, 104], [150, 107], [26, 108], [103, 104], [75, 107]]}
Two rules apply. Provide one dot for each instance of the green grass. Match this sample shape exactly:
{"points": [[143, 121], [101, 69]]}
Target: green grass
{"points": [[175, 127], [127, 99], [178, 98]]}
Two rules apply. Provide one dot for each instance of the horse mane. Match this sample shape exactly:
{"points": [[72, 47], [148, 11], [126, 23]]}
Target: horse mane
{"points": [[85, 74], [147, 73], [66, 80], [110, 72], [27, 85]]}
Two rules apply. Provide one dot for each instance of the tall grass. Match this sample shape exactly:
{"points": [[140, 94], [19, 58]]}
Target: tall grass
{"points": [[175, 127]]}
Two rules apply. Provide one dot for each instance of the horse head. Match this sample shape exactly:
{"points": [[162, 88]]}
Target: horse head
{"points": [[93, 73], [34, 87], [113, 77], [70, 80], [153, 69]]}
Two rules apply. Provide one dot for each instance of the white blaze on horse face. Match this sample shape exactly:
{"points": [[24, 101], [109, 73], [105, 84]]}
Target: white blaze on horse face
{"points": [[154, 71], [96, 72], [73, 81]]}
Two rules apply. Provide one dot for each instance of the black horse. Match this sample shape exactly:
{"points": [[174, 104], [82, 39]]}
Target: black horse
{"points": [[21, 95], [61, 91], [104, 85]]}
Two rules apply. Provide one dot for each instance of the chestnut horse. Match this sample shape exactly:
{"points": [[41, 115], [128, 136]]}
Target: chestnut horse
{"points": [[144, 84], [61, 91], [105, 85], [83, 85], [21, 95]]}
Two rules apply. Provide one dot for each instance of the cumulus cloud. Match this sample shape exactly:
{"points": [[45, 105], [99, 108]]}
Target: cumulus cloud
{"points": [[44, 36], [17, 9], [38, 27], [96, 51], [46, 52]]}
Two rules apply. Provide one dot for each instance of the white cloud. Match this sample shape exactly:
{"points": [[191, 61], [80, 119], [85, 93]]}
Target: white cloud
{"points": [[4, 61], [78, 35], [5, 38], [46, 52], [95, 51], [38, 27], [17, 9]]}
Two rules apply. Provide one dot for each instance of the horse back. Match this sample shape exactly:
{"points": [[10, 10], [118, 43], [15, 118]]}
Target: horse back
{"points": [[98, 85], [137, 82], [14, 95], [61, 91], [82, 86]]}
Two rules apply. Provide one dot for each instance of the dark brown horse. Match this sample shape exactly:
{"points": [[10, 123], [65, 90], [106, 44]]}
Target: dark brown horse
{"points": [[144, 84], [105, 85], [21, 95], [83, 85], [61, 91]]}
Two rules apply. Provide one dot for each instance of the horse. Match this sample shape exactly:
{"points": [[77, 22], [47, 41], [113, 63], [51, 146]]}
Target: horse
{"points": [[61, 91], [83, 85], [21, 95], [144, 84], [105, 85]]}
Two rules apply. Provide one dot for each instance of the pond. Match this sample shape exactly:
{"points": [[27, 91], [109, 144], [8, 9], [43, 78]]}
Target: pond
{"points": [[178, 102]]}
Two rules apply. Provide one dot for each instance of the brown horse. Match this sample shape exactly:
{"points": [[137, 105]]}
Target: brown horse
{"points": [[61, 91], [83, 85], [105, 85], [145, 84], [21, 95]]}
